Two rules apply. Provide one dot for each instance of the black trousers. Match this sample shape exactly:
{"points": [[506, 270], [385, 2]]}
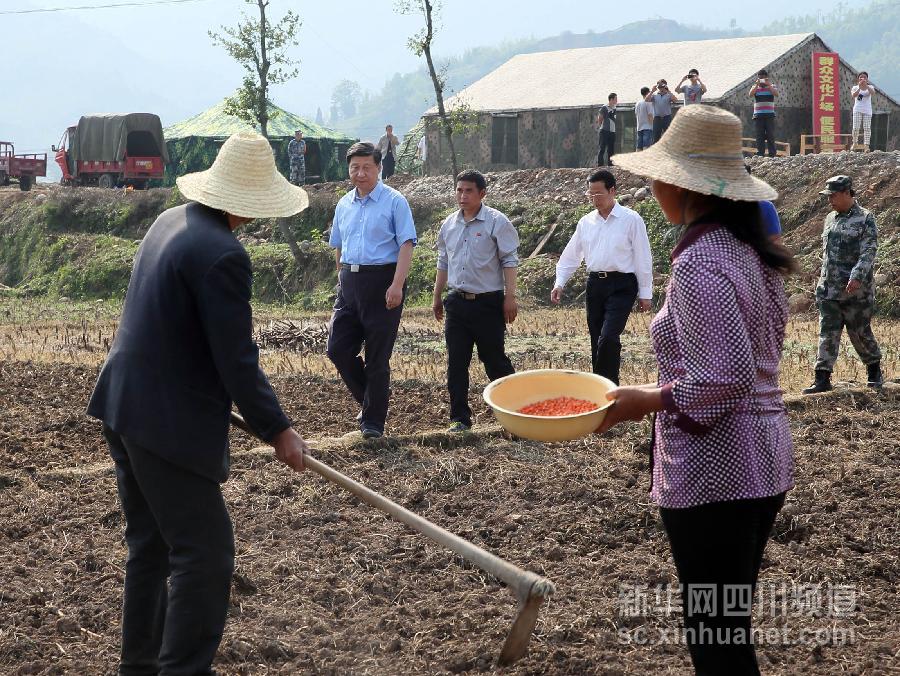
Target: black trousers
{"points": [[609, 302], [660, 124], [387, 166], [360, 318], [765, 134], [718, 550], [607, 147], [473, 323], [178, 530]]}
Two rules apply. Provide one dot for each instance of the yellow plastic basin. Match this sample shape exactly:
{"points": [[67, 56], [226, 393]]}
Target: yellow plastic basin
{"points": [[507, 395]]}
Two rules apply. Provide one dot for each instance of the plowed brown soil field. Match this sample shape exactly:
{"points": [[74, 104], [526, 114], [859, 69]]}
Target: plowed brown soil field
{"points": [[326, 585]]}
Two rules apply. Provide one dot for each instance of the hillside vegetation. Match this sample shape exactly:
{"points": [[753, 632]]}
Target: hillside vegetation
{"points": [[79, 243]]}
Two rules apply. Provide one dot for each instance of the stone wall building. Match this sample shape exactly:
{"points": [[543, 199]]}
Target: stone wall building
{"points": [[540, 110]]}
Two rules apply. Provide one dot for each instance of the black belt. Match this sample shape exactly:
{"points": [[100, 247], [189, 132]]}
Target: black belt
{"points": [[600, 274], [352, 267], [474, 296]]}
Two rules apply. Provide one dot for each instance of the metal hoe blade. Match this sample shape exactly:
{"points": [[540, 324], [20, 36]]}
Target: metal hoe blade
{"points": [[516, 644]]}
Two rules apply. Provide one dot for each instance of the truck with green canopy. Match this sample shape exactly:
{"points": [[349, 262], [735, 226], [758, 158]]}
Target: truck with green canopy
{"points": [[110, 150]]}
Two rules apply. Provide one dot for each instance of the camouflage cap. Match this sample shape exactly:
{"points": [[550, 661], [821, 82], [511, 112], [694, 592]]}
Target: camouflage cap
{"points": [[840, 183]]}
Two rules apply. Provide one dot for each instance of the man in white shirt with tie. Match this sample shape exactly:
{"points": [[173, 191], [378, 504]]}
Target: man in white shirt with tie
{"points": [[612, 241]]}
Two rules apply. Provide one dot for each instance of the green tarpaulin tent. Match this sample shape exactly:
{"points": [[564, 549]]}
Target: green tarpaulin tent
{"points": [[194, 143]]}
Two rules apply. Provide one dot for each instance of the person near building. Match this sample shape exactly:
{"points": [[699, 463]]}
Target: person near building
{"points": [[478, 258], [694, 89], [845, 294], [606, 120], [763, 93], [387, 146], [862, 109], [662, 99], [373, 236], [297, 158], [182, 355], [722, 459], [643, 116], [422, 153], [612, 241]]}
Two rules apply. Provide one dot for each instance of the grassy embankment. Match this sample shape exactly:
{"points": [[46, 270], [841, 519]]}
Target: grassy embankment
{"points": [[79, 244]]}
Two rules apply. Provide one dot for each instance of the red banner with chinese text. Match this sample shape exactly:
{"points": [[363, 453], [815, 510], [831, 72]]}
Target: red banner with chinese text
{"points": [[826, 96]]}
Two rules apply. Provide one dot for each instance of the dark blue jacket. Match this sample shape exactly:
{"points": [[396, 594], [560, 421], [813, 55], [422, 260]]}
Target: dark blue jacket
{"points": [[184, 350]]}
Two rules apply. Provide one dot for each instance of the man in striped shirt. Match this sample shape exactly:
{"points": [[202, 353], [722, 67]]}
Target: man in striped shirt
{"points": [[763, 94]]}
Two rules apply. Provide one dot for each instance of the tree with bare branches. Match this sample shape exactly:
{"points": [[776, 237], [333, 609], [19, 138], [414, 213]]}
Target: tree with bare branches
{"points": [[260, 47], [420, 45]]}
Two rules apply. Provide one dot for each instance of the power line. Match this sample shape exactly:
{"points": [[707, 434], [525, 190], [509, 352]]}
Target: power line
{"points": [[117, 5]]}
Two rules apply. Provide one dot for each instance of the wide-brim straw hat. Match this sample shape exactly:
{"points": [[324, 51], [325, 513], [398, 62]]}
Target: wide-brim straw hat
{"points": [[700, 151], [243, 181]]}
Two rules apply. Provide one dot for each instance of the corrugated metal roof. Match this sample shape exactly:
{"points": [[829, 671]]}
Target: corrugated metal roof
{"points": [[215, 122], [578, 78]]}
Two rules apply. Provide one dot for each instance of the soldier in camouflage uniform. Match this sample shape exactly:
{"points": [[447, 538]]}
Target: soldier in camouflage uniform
{"points": [[297, 157], [845, 294]]}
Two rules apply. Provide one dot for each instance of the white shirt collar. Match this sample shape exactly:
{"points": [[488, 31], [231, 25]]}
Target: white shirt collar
{"points": [[617, 211]]}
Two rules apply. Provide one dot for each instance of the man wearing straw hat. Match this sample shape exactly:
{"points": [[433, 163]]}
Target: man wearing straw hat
{"points": [[722, 458], [182, 355]]}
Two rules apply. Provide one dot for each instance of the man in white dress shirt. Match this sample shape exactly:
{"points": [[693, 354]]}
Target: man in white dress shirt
{"points": [[613, 242]]}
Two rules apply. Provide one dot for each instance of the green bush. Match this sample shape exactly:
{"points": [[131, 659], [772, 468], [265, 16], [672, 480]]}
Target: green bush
{"points": [[90, 267], [662, 234], [278, 278], [112, 212]]}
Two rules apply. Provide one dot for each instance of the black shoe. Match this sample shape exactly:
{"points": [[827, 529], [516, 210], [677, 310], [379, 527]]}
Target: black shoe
{"points": [[371, 432], [876, 378], [822, 384]]}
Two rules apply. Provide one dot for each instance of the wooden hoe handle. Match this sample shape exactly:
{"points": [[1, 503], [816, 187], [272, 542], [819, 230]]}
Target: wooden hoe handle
{"points": [[525, 584]]}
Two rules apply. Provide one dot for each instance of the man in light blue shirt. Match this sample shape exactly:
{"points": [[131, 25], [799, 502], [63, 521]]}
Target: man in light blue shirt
{"points": [[373, 236]]}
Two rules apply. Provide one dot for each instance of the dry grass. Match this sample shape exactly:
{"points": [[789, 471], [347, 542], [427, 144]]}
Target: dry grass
{"points": [[80, 334]]}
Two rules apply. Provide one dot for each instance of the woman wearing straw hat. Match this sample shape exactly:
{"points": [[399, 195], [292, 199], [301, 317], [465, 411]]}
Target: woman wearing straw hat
{"points": [[182, 355], [722, 457]]}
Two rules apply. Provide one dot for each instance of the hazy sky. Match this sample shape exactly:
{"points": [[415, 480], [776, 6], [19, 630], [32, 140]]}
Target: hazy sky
{"points": [[159, 58], [355, 39]]}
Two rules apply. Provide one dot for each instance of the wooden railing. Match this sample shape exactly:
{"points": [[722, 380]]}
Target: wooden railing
{"points": [[828, 143]]}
